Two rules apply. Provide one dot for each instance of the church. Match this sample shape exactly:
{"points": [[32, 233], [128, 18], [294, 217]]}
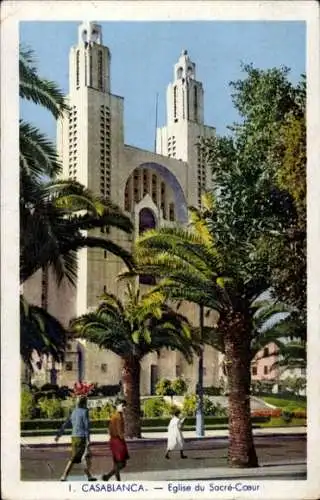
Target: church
{"points": [[152, 188]]}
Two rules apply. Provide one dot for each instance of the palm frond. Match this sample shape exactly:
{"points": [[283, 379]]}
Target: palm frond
{"points": [[38, 155], [40, 333]]}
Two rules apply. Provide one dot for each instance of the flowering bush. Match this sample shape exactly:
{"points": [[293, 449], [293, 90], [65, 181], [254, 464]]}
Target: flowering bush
{"points": [[268, 412], [82, 389], [286, 413]]}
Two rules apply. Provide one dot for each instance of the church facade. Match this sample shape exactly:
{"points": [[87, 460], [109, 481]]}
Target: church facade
{"points": [[152, 188]]}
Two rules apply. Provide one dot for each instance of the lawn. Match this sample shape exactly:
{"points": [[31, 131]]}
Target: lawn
{"points": [[285, 403]]}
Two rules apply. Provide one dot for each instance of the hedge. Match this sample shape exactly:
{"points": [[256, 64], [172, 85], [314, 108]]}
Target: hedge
{"points": [[277, 412], [147, 423], [52, 432]]}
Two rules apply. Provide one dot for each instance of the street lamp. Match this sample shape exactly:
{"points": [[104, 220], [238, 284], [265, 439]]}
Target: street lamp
{"points": [[199, 388]]}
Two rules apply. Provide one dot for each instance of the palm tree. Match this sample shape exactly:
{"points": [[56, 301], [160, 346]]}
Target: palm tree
{"points": [[139, 325], [40, 333], [53, 226], [193, 269]]}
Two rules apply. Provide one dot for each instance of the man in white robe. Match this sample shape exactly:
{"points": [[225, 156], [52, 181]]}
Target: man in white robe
{"points": [[175, 436]]}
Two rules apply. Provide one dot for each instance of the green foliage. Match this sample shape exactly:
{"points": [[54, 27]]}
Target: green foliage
{"points": [[295, 384], [287, 416], [164, 387], [50, 408], [179, 386], [209, 407], [40, 332], [115, 325], [155, 407], [293, 403], [103, 412], [189, 405], [279, 422], [212, 391], [26, 404]]}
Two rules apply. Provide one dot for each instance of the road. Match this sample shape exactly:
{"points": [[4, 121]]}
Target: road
{"points": [[47, 463]]}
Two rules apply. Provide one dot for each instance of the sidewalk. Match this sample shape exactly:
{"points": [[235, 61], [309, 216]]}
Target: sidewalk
{"points": [[264, 472], [39, 441]]}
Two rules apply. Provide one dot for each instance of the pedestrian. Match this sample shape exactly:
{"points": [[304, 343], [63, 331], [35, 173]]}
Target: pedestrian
{"points": [[80, 439], [175, 436], [118, 444]]}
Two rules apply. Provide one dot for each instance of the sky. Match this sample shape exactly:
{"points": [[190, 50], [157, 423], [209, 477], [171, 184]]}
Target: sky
{"points": [[143, 56]]}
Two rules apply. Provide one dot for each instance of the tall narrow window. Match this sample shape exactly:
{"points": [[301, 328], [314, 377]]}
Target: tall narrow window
{"points": [[85, 68], [146, 221], [175, 102], [196, 104], [90, 67], [183, 107], [171, 211], [100, 70], [78, 68]]}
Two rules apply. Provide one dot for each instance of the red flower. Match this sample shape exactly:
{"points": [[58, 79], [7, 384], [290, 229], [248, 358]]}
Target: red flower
{"points": [[82, 388]]}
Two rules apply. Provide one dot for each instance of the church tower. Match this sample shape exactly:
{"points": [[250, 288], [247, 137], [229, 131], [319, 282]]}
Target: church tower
{"points": [[90, 144], [185, 123]]}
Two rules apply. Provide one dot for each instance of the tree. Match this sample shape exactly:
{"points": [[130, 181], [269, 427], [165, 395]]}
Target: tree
{"points": [[139, 325], [53, 225], [260, 186], [40, 333], [295, 384], [193, 269]]}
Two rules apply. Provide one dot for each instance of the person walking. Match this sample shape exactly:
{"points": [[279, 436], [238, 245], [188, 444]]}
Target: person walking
{"points": [[80, 439], [117, 443], [175, 436]]}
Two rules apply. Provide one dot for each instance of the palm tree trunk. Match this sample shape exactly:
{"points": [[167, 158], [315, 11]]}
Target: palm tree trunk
{"points": [[199, 411], [44, 305], [131, 391], [237, 348]]}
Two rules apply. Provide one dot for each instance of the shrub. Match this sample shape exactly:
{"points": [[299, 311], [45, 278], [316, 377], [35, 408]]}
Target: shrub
{"points": [[64, 392], [50, 408], [209, 407], [49, 387], [155, 407], [212, 390], [268, 412], [26, 404], [287, 416], [300, 413], [164, 388], [103, 412], [106, 390], [189, 405], [179, 386]]}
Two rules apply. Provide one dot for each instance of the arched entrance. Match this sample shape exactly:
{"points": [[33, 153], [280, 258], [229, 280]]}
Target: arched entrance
{"points": [[162, 186]]}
